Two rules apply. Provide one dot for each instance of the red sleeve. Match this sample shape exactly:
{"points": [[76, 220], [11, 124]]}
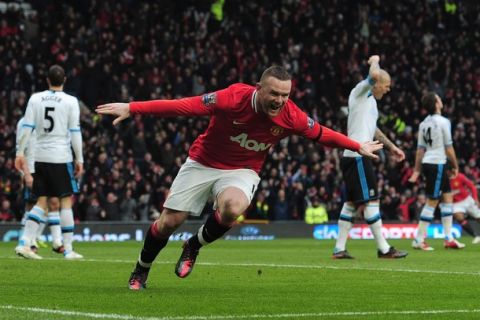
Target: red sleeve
{"points": [[193, 106], [168, 108], [335, 139], [470, 185], [311, 129]]}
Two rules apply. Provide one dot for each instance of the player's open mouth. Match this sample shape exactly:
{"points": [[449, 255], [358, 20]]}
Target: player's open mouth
{"points": [[274, 107]]}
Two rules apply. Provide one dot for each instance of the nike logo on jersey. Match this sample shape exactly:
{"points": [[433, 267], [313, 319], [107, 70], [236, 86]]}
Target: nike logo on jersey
{"points": [[238, 122]]}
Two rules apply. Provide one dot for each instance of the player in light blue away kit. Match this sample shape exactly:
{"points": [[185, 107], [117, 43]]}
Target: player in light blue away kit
{"points": [[55, 116], [30, 198], [358, 172], [435, 145]]}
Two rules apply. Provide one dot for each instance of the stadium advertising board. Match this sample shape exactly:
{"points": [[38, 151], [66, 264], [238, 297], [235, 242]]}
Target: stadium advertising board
{"points": [[390, 231], [87, 232], [250, 232], [116, 231], [101, 232]]}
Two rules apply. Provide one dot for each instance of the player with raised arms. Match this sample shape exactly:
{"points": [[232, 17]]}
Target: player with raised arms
{"points": [[224, 161]]}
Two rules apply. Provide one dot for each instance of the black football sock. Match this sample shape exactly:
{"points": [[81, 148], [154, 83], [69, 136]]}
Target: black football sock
{"points": [[151, 248], [209, 232], [467, 228]]}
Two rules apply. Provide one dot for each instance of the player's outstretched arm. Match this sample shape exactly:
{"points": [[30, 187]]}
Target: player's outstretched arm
{"points": [[187, 107], [119, 109], [471, 187], [368, 148], [334, 139]]}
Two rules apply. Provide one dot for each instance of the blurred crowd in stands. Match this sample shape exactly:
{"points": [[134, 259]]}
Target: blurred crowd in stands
{"points": [[123, 50]]}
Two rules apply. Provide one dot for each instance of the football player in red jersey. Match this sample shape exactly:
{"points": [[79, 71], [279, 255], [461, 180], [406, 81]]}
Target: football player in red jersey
{"points": [[465, 202], [224, 161]]}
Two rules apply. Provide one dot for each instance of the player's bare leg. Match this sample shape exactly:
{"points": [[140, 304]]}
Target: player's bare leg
{"points": [[231, 203]]}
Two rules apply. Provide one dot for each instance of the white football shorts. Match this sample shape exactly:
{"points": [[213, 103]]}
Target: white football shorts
{"points": [[195, 183], [467, 206]]}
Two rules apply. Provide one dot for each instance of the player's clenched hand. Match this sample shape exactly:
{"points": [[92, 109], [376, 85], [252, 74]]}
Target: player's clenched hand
{"points": [[28, 180], [368, 148], [20, 163], [78, 169], [119, 109], [374, 59], [398, 154]]}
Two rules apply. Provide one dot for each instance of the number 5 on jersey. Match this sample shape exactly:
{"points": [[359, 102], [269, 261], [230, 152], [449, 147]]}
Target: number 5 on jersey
{"points": [[49, 118]]}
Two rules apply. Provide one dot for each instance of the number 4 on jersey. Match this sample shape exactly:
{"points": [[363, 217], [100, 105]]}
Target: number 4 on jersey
{"points": [[427, 136]]}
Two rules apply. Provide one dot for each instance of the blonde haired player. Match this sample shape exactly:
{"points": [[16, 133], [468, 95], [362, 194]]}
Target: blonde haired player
{"points": [[358, 172]]}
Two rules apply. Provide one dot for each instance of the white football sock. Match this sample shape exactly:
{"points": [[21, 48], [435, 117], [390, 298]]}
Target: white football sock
{"points": [[34, 217], [374, 220], [345, 223], [68, 224], [55, 230], [426, 217], [446, 211], [40, 229]]}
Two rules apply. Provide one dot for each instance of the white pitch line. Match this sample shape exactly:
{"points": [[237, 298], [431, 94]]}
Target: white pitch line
{"points": [[272, 265], [245, 316], [300, 266]]}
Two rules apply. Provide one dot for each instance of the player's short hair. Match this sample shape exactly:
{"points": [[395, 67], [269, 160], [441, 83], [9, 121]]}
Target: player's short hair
{"points": [[278, 72], [56, 75], [384, 76], [429, 101]]}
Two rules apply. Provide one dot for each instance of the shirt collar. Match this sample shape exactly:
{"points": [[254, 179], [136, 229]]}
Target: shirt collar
{"points": [[254, 101]]}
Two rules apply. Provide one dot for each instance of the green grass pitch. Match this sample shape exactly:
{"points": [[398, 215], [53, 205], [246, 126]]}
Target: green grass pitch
{"points": [[280, 279]]}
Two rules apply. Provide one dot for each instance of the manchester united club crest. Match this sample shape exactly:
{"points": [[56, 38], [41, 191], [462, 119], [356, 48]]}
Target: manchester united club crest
{"points": [[276, 130], [209, 98], [310, 122]]}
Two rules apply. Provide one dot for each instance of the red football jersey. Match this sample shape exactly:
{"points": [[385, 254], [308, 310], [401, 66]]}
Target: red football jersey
{"points": [[462, 187], [238, 135]]}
